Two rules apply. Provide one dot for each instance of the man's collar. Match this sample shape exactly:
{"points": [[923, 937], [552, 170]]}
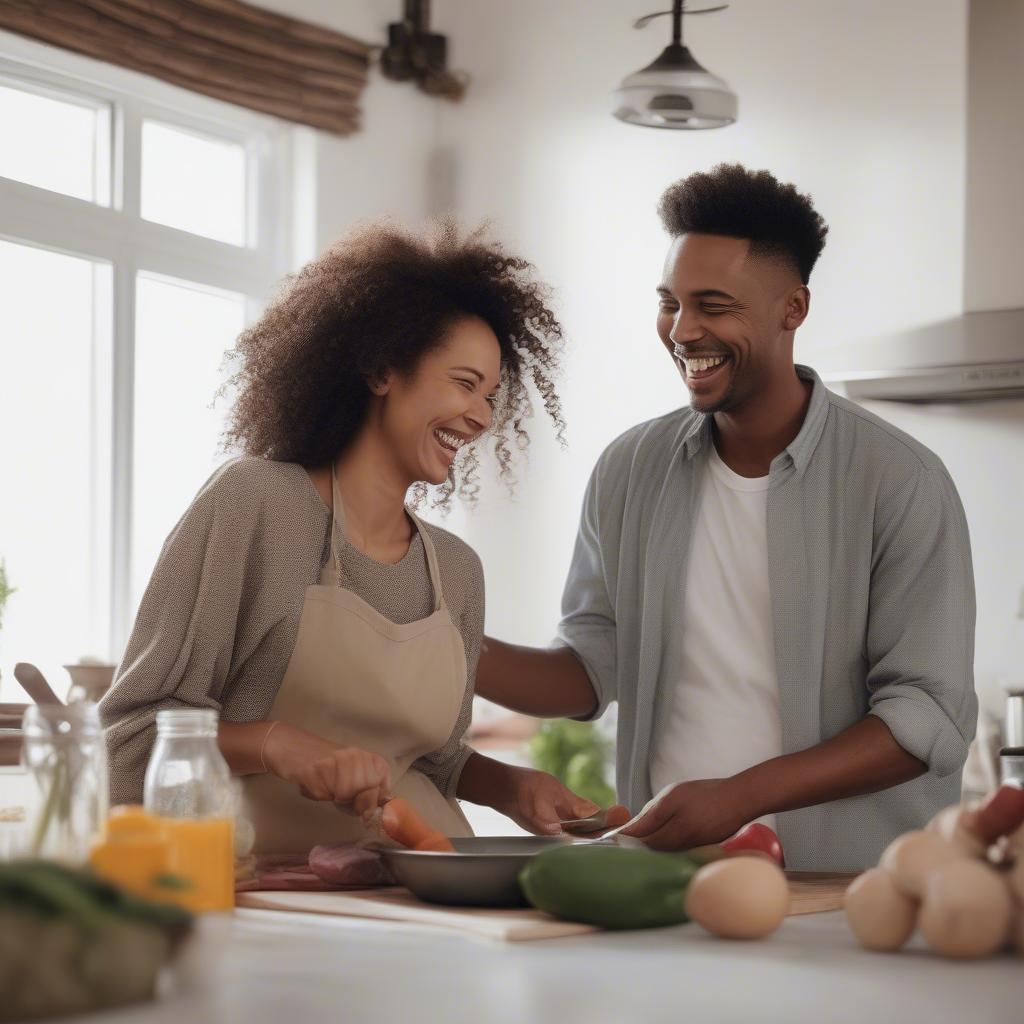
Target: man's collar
{"points": [[800, 449]]}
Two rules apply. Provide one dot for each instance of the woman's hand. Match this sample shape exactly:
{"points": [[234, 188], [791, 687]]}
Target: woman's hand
{"points": [[347, 776], [538, 802]]}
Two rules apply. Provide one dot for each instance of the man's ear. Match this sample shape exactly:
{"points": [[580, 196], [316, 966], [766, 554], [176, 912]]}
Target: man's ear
{"points": [[797, 305]]}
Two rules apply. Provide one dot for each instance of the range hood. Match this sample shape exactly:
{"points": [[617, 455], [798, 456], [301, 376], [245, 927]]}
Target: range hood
{"points": [[979, 354], [966, 358]]}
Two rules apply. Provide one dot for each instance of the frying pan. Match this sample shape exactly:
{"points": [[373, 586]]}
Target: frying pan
{"points": [[482, 872]]}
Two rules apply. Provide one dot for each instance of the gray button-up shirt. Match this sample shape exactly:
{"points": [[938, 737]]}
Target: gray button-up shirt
{"points": [[872, 600]]}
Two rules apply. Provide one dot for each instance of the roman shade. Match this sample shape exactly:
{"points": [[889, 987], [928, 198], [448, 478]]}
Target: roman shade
{"points": [[230, 50]]}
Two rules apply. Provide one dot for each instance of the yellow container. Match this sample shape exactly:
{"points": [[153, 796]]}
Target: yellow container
{"points": [[133, 852], [144, 853], [203, 853]]}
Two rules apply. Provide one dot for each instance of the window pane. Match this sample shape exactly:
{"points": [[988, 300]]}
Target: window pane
{"points": [[63, 147], [54, 461], [194, 182], [181, 334]]}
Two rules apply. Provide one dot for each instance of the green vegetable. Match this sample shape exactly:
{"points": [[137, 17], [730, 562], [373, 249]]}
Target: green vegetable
{"points": [[51, 890], [71, 942], [609, 886], [576, 754]]}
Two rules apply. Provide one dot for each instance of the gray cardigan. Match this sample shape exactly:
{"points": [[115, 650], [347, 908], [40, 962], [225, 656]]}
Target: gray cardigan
{"points": [[872, 599]]}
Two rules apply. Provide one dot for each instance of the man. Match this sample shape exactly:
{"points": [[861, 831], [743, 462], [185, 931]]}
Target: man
{"points": [[774, 584]]}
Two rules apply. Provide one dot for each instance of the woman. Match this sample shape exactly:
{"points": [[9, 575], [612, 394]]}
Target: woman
{"points": [[335, 633]]}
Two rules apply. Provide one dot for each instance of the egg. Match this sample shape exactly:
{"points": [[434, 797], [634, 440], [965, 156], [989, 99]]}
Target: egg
{"points": [[953, 825], [911, 857], [739, 898], [879, 915], [967, 909]]}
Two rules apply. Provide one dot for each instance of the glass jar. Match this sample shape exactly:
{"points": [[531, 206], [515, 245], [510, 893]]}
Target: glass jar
{"points": [[64, 754], [188, 785]]}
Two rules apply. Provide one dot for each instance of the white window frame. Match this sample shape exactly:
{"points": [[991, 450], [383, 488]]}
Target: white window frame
{"points": [[117, 235]]}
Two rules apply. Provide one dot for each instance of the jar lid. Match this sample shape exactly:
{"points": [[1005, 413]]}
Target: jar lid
{"points": [[187, 722]]}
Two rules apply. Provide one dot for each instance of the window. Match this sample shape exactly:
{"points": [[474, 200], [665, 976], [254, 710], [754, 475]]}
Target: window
{"points": [[54, 140], [141, 228], [194, 182]]}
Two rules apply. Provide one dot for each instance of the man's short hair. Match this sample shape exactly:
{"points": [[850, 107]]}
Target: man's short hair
{"points": [[730, 200]]}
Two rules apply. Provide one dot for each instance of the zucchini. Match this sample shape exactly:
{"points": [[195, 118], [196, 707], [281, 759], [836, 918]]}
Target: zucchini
{"points": [[609, 886]]}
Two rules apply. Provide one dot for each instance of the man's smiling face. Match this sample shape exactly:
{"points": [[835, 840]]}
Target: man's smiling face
{"points": [[722, 315]]}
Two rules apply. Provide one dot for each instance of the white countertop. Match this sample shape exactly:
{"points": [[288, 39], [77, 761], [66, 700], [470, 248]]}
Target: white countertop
{"points": [[303, 969]]}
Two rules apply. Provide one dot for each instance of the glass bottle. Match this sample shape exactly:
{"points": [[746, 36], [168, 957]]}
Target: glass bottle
{"points": [[188, 785], [64, 753]]}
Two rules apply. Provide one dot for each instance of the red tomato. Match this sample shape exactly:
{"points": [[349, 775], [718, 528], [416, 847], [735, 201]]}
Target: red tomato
{"points": [[1000, 814], [757, 838]]}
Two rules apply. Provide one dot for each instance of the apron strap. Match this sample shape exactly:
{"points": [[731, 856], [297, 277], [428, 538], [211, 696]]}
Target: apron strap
{"points": [[435, 572], [338, 523]]}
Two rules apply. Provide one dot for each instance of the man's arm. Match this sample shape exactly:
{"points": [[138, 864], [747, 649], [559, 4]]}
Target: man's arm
{"points": [[535, 800], [543, 683], [577, 678], [864, 758], [919, 644]]}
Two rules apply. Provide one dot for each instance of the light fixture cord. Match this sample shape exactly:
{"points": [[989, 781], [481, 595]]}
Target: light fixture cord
{"points": [[677, 22]]}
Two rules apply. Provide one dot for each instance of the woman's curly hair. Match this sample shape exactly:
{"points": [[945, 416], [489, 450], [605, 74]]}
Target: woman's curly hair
{"points": [[375, 302]]}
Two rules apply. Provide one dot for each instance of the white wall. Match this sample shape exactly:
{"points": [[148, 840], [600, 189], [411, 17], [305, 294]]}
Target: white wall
{"points": [[834, 95], [862, 104], [383, 170]]}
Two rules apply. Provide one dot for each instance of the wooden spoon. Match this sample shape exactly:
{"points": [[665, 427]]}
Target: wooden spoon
{"points": [[34, 684]]}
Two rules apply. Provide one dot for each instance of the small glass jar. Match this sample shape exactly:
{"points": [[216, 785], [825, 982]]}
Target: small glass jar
{"points": [[1011, 765], [63, 751], [188, 784]]}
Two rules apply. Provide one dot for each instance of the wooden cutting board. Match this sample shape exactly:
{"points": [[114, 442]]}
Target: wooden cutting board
{"points": [[812, 893], [397, 904]]}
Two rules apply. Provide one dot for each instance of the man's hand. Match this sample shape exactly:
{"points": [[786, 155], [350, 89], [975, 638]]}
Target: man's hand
{"points": [[537, 801], [692, 814]]}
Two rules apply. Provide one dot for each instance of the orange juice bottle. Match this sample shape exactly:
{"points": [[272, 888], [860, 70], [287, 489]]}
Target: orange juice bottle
{"points": [[188, 785]]}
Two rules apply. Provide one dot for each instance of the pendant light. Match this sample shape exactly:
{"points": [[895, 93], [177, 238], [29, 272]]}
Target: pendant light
{"points": [[675, 91]]}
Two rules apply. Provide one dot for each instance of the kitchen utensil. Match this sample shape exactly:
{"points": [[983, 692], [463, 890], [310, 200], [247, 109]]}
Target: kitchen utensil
{"points": [[1013, 730], [587, 826], [482, 872], [34, 683]]}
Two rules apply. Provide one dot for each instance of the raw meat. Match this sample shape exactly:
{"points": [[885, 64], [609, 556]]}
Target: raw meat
{"points": [[351, 866]]}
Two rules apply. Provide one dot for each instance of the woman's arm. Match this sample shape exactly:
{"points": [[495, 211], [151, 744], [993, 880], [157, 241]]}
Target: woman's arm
{"points": [[243, 745], [320, 769]]}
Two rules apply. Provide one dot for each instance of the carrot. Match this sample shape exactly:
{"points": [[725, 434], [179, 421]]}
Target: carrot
{"points": [[403, 823]]}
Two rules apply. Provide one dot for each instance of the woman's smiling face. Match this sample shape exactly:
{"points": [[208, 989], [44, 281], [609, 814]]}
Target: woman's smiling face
{"points": [[446, 403]]}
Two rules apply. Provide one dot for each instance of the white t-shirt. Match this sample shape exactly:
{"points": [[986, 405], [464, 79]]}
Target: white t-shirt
{"points": [[724, 714]]}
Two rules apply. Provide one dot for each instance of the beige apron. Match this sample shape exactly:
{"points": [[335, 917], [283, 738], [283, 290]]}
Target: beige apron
{"points": [[358, 679]]}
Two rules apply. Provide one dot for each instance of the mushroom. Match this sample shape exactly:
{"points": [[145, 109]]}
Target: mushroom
{"points": [[913, 856], [881, 916], [954, 825], [966, 911]]}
